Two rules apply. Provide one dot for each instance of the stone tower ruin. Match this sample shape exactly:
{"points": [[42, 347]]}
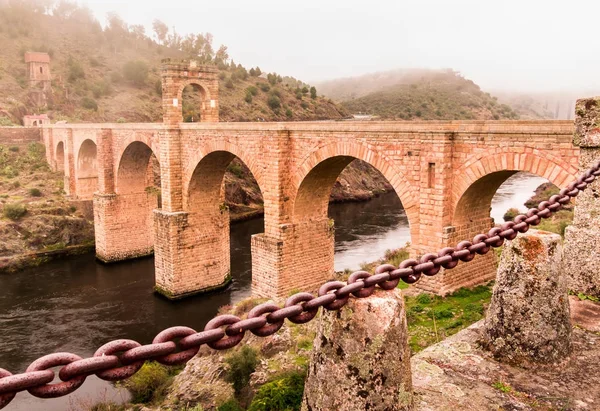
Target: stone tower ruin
{"points": [[38, 65]]}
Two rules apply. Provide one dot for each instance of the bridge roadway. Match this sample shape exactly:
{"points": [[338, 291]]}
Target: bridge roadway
{"points": [[444, 172]]}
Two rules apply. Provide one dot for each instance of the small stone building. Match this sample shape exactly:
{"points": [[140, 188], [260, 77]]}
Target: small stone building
{"points": [[36, 120], [38, 65]]}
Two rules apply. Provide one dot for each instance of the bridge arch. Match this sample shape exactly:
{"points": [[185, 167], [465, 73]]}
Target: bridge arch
{"points": [[59, 156], [87, 169], [476, 183], [318, 172]]}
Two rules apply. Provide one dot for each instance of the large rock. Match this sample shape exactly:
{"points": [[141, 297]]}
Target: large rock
{"points": [[528, 319], [361, 358]]}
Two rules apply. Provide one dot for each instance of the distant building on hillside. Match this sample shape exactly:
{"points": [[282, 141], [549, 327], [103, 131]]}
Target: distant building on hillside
{"points": [[39, 69], [36, 120]]}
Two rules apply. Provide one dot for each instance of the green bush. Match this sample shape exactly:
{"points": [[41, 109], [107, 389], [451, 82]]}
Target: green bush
{"points": [[75, 71], [424, 298], [35, 192], [313, 93], [282, 394], [14, 149], [252, 90], [242, 364], [289, 113], [229, 83], [10, 172], [510, 214], [136, 72], [442, 313], [89, 103], [231, 405], [248, 98], [274, 102], [14, 211], [149, 383], [264, 87]]}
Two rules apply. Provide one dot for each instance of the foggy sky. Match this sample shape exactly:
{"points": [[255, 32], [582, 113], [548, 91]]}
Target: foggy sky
{"points": [[518, 45]]}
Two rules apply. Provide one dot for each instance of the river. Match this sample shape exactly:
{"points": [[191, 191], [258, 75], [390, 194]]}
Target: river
{"points": [[78, 304]]}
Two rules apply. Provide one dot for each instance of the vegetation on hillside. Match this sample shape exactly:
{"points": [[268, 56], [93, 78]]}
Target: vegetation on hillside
{"points": [[35, 216], [431, 95], [112, 74]]}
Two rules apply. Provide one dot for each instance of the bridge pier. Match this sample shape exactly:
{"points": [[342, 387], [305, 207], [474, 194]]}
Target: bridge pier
{"points": [[300, 259], [582, 238], [191, 252]]}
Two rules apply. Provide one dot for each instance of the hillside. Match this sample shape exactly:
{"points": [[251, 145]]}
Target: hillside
{"points": [[112, 74], [417, 95]]}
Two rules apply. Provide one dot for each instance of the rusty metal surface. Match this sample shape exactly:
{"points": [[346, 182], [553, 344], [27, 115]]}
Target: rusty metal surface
{"points": [[120, 359]]}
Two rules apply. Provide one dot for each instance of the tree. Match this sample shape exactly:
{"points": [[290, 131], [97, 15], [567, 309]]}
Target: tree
{"points": [[221, 56], [136, 72], [160, 30], [138, 31], [64, 9], [313, 93]]}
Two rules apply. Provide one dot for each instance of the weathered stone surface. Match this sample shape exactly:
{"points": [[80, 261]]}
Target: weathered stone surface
{"points": [[587, 122], [582, 239], [361, 359], [528, 319]]}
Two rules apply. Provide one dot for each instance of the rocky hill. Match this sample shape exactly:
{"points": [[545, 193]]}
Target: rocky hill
{"points": [[112, 74], [417, 95]]}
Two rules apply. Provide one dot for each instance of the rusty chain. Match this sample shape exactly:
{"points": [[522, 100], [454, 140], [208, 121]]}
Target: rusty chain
{"points": [[120, 359]]}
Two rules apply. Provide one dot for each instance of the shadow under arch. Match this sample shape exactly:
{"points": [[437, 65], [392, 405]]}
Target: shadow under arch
{"points": [[87, 170]]}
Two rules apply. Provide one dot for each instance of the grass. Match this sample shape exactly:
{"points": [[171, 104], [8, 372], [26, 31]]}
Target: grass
{"points": [[432, 318]]}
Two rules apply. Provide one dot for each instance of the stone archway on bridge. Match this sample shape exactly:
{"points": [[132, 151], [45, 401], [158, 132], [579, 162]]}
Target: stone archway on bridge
{"points": [[308, 242], [87, 170], [138, 193], [59, 156], [176, 76], [205, 251], [474, 187]]}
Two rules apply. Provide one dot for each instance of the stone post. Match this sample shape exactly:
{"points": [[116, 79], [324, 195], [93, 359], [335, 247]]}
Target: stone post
{"points": [[528, 320], [361, 358], [70, 181], [582, 239]]}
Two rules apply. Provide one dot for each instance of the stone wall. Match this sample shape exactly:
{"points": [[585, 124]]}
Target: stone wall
{"points": [[20, 136]]}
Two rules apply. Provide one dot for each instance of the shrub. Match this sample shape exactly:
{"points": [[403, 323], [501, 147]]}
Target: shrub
{"points": [[252, 90], [289, 113], [284, 393], [229, 83], [241, 365], [14, 149], [424, 299], [35, 192], [248, 97], [274, 102], [116, 77], [264, 87], [222, 76], [149, 383], [231, 405], [510, 214], [136, 72], [89, 103], [75, 71], [313, 93], [14, 211], [442, 313], [10, 172]]}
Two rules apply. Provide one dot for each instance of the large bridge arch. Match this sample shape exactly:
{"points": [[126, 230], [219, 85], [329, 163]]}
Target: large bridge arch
{"points": [[86, 172], [474, 186], [478, 180]]}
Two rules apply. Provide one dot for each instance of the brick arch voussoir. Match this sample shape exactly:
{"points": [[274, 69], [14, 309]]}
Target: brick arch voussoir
{"points": [[378, 160], [545, 165], [215, 146]]}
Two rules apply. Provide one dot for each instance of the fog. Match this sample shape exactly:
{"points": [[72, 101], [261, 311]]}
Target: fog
{"points": [[517, 45]]}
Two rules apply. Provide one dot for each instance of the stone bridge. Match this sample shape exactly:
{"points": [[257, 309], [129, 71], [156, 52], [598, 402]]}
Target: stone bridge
{"points": [[445, 174]]}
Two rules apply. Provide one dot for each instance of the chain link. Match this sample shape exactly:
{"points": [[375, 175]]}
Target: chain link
{"points": [[120, 359]]}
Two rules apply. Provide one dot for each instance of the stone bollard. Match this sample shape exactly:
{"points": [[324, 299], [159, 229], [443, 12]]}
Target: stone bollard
{"points": [[582, 239], [361, 358], [528, 319]]}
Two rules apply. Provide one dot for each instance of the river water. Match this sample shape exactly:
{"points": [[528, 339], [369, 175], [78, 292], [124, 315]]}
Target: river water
{"points": [[78, 304]]}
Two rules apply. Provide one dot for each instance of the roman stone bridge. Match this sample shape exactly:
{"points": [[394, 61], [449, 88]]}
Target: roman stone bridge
{"points": [[445, 174]]}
